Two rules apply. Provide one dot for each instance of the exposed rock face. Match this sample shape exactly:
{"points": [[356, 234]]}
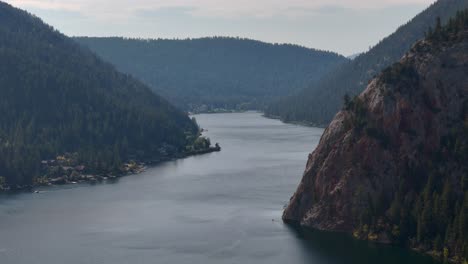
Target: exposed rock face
{"points": [[390, 133]]}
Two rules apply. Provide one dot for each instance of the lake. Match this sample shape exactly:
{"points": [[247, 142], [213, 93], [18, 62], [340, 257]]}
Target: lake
{"points": [[217, 208]]}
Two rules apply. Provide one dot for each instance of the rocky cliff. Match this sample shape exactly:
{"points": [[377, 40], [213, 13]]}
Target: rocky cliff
{"points": [[393, 164]]}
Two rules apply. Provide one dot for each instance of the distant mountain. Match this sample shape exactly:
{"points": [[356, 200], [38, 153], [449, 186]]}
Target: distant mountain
{"points": [[320, 101], [209, 73], [57, 97], [392, 165], [352, 57]]}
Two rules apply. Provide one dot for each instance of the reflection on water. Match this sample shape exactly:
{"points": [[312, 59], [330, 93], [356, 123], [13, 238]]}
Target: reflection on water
{"points": [[331, 247], [217, 208]]}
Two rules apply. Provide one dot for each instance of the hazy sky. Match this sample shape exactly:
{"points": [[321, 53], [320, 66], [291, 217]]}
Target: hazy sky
{"points": [[344, 26]]}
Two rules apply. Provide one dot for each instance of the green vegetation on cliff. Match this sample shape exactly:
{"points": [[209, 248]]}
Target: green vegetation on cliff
{"points": [[430, 212], [392, 165], [319, 102]]}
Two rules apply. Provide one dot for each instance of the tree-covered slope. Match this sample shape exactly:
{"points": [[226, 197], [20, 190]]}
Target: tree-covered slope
{"points": [[57, 97], [392, 165], [217, 72], [318, 103]]}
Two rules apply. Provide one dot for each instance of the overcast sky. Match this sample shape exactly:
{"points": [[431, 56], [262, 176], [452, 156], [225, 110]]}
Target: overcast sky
{"points": [[344, 26]]}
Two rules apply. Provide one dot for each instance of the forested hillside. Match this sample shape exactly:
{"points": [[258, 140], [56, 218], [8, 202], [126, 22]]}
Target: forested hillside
{"points": [[57, 97], [392, 165], [209, 73], [318, 103]]}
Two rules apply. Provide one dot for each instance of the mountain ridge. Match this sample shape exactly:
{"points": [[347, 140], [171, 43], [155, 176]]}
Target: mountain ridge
{"points": [[318, 103], [204, 74], [59, 98]]}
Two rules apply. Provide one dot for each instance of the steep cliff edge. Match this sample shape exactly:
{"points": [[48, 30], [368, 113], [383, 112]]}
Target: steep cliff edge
{"points": [[392, 165]]}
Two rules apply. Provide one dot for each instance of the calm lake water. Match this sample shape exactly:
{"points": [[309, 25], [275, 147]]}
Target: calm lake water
{"points": [[217, 208]]}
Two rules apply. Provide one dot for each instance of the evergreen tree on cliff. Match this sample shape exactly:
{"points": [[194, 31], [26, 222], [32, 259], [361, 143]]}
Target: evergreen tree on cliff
{"points": [[318, 103], [392, 165]]}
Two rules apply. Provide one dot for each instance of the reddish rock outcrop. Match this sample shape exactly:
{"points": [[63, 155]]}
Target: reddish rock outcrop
{"points": [[391, 132]]}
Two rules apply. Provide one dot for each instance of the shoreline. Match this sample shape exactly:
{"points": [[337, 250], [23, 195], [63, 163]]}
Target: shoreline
{"points": [[436, 256], [298, 123], [128, 168], [223, 112]]}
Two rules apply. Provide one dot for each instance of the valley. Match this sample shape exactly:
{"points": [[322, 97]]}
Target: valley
{"points": [[119, 145]]}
